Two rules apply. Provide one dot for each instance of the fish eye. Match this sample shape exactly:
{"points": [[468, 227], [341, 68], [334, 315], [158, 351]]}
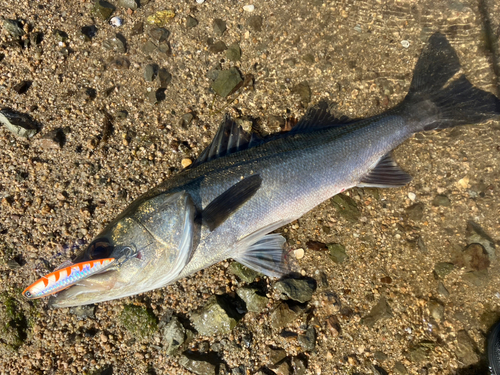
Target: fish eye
{"points": [[98, 249]]}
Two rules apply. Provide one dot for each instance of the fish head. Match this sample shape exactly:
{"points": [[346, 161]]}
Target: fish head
{"points": [[151, 241]]}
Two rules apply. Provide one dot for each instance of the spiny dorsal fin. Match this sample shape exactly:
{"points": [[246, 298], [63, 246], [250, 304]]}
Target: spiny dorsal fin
{"points": [[228, 202], [318, 116], [386, 173]]}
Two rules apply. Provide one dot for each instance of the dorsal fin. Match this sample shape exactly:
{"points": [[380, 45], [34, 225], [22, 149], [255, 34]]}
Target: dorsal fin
{"points": [[318, 116]]}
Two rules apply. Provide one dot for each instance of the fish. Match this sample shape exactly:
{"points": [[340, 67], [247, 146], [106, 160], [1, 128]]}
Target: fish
{"points": [[243, 187]]}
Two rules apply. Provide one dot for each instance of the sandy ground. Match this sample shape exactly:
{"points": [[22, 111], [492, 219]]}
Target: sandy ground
{"points": [[350, 53]]}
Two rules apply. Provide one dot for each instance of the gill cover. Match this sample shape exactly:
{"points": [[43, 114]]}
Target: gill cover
{"points": [[157, 232]]}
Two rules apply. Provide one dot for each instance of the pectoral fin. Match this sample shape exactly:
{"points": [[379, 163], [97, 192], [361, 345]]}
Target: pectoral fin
{"points": [[386, 173], [228, 202]]}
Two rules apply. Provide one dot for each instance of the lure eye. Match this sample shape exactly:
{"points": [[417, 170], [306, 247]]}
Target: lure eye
{"points": [[28, 294]]}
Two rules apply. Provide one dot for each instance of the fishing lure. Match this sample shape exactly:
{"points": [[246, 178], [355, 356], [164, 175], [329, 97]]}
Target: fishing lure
{"points": [[65, 277]]}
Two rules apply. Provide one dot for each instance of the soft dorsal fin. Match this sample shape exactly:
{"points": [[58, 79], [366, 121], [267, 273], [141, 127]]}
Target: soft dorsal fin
{"points": [[318, 116], [228, 202], [230, 138], [386, 173]]}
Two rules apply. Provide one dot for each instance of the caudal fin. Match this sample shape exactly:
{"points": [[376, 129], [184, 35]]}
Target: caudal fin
{"points": [[439, 98]]}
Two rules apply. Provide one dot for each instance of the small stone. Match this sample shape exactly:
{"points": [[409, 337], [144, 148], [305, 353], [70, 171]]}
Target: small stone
{"points": [[22, 87], [161, 17], [412, 196], [290, 61], [60, 35], [476, 234], [245, 274], [54, 139], [298, 366], [149, 47], [120, 63], [164, 77], [300, 290], [233, 53], [186, 162], [346, 207], [474, 257], [219, 26], [316, 246], [83, 312], [116, 21], [308, 58], [276, 355], [400, 369], [13, 264], [191, 22], [415, 212], [103, 9], [441, 269], [128, 4], [200, 1], [441, 200], [441, 289], [13, 27], [122, 114], [115, 44], [282, 316], [308, 340], [466, 350], [197, 366], [215, 317], [88, 32], [137, 29], [174, 335], [253, 299], [380, 311], [255, 22], [419, 352], [217, 47], [380, 356], [333, 325], [436, 310], [477, 278], [337, 252], [405, 43], [139, 321], [150, 72], [18, 123], [159, 34], [299, 253], [187, 119], [249, 8], [226, 82]]}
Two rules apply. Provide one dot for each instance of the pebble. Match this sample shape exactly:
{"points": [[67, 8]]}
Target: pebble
{"points": [[476, 234], [116, 43], [217, 47], [150, 72], [299, 366], [22, 87], [400, 369], [116, 21], [380, 311], [412, 196], [249, 8], [174, 335], [219, 26], [299, 253], [466, 349], [164, 78], [191, 22], [405, 43], [276, 355], [436, 310], [186, 162], [337, 252], [441, 200], [13, 27], [473, 257], [200, 1], [300, 290], [253, 299], [226, 82], [128, 4], [441, 289], [217, 316], [103, 9], [233, 52], [138, 320], [415, 212], [346, 207], [308, 340], [281, 316], [159, 34], [244, 273], [441, 269], [255, 22]]}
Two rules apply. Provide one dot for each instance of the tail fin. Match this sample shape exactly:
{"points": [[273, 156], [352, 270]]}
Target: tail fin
{"points": [[438, 100]]}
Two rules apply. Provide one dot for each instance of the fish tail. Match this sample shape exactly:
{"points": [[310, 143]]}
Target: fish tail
{"points": [[440, 97]]}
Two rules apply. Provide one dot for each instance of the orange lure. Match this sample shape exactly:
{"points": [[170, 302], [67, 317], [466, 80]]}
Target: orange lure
{"points": [[63, 278]]}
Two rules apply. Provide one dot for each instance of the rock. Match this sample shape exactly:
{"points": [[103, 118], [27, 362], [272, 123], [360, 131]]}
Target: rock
{"points": [[13, 27], [400, 369], [441, 200], [217, 47], [249, 8], [137, 29], [103, 9], [276, 355], [22, 87], [316, 246], [119, 63], [18, 123], [164, 77], [244, 273], [282, 368], [254, 301], [308, 340], [474, 257], [346, 207], [332, 322], [304, 91], [149, 47], [219, 26], [337, 252], [441, 289], [60, 35], [442, 269], [197, 366], [226, 82], [282, 316], [186, 162], [191, 22], [216, 317], [83, 312], [121, 114], [150, 72], [233, 52], [290, 61], [159, 34], [174, 335], [300, 290], [139, 321], [466, 349], [380, 356], [420, 352], [53, 139], [415, 212], [476, 278], [436, 310], [255, 23], [308, 58], [88, 32], [128, 4], [187, 119], [115, 44], [381, 310], [476, 234], [13, 264], [298, 366]]}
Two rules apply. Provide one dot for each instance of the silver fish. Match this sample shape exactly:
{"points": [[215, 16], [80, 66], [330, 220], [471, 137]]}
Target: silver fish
{"points": [[242, 187]]}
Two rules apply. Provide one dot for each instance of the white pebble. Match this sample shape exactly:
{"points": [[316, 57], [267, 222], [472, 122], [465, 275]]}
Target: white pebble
{"points": [[405, 43], [249, 8], [200, 1], [412, 196], [116, 21], [299, 253]]}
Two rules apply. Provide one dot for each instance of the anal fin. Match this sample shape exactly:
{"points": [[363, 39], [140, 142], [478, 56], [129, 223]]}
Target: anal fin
{"points": [[386, 173]]}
